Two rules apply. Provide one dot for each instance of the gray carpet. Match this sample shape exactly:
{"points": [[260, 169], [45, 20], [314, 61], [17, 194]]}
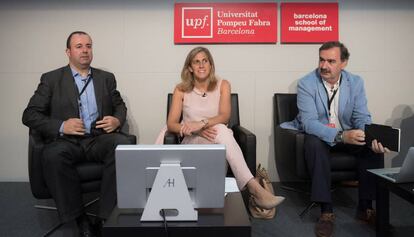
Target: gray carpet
{"points": [[18, 217]]}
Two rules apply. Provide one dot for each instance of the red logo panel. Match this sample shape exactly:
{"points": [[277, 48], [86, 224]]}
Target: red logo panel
{"points": [[309, 22], [225, 23]]}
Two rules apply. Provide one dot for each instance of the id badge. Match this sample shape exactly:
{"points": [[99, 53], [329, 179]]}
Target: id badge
{"points": [[331, 123]]}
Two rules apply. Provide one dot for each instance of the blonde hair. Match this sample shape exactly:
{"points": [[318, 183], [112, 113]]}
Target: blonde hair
{"points": [[187, 78]]}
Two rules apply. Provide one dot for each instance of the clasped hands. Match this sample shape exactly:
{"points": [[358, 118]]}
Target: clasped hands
{"points": [[197, 127], [75, 126], [357, 137]]}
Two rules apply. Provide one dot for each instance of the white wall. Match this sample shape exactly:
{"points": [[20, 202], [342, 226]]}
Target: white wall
{"points": [[134, 39]]}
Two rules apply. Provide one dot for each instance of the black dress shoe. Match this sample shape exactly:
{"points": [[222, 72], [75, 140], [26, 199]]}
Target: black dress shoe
{"points": [[85, 227]]}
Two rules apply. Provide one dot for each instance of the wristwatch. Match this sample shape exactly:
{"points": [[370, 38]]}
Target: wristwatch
{"points": [[205, 122], [339, 137]]}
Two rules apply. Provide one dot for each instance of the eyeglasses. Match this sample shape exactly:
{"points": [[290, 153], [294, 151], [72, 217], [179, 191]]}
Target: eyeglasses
{"points": [[199, 63]]}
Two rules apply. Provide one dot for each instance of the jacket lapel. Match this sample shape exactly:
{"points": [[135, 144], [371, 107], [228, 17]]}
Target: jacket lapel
{"points": [[71, 89], [344, 93], [98, 87], [322, 95]]}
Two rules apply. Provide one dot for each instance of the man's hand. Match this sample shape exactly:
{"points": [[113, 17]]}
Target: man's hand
{"points": [[378, 148], [74, 126], [108, 124], [355, 137], [209, 134]]}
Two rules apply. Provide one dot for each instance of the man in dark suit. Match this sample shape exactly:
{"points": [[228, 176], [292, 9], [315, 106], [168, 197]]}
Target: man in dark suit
{"points": [[79, 112]]}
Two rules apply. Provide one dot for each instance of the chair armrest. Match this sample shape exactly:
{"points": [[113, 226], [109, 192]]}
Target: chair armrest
{"points": [[125, 131], [301, 166], [37, 183], [131, 138], [247, 143], [171, 138], [290, 161]]}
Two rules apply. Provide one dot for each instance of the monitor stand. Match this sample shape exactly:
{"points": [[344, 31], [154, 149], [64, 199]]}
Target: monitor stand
{"points": [[169, 193]]}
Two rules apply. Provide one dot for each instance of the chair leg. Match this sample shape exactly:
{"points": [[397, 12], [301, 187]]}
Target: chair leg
{"points": [[297, 189], [307, 209], [55, 227], [43, 207], [58, 225], [91, 202]]}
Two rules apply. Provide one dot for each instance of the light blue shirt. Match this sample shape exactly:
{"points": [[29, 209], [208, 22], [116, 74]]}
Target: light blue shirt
{"points": [[88, 109]]}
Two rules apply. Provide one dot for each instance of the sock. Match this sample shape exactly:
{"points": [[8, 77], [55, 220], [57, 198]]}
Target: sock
{"points": [[326, 207], [364, 204]]}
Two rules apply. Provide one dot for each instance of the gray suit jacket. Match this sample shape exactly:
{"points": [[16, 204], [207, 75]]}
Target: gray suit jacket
{"points": [[56, 100]]}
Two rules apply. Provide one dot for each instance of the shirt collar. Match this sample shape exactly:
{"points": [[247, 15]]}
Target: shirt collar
{"points": [[336, 86], [75, 73]]}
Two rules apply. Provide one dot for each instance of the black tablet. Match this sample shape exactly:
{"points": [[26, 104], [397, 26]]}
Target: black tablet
{"points": [[388, 136]]}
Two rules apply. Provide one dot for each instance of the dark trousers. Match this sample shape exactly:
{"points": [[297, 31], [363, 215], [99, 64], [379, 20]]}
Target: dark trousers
{"points": [[59, 160], [317, 155]]}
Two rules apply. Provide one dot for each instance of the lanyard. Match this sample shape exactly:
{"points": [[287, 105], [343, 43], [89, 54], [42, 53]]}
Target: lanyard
{"points": [[84, 87], [330, 100], [79, 99]]}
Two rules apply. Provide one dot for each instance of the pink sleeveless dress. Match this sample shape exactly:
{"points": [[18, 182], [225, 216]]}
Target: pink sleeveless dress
{"points": [[196, 107]]}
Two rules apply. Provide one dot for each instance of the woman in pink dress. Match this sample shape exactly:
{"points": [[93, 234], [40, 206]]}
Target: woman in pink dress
{"points": [[204, 101]]}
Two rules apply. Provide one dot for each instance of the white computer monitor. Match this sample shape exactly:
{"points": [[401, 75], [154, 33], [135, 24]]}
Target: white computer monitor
{"points": [[203, 168]]}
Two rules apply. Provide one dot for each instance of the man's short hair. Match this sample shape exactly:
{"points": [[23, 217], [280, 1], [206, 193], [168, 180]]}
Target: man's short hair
{"points": [[332, 44], [70, 37]]}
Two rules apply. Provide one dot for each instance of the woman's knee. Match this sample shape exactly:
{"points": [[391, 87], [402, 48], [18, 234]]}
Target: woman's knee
{"points": [[222, 129], [223, 132]]}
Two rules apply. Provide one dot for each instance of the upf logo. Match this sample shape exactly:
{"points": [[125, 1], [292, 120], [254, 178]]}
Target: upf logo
{"points": [[197, 22]]}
